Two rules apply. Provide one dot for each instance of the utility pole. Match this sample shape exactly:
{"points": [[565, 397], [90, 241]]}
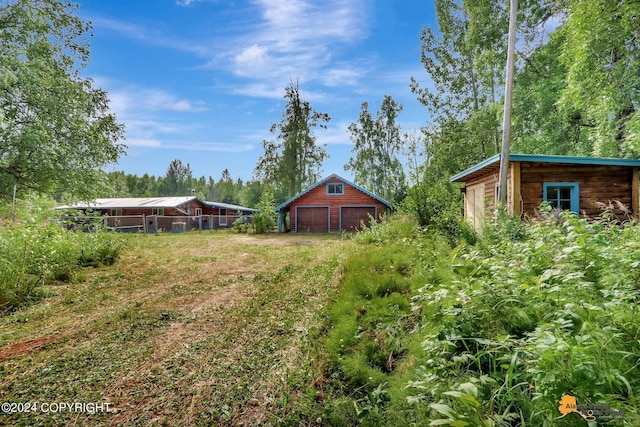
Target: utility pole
{"points": [[508, 94]]}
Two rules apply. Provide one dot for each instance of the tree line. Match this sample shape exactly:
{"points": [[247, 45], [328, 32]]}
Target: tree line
{"points": [[178, 180], [576, 92]]}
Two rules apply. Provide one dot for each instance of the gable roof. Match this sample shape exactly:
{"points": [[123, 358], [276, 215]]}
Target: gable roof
{"points": [[133, 202], [231, 207], [494, 163], [321, 182]]}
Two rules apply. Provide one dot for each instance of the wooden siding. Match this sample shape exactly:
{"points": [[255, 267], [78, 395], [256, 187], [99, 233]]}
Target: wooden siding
{"points": [[597, 184], [180, 211], [490, 181], [318, 196]]}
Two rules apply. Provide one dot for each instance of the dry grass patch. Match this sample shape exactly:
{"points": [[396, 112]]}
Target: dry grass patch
{"points": [[187, 329]]}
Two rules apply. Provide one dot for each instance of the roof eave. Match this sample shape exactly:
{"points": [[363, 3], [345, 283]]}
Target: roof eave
{"points": [[541, 158], [322, 181]]}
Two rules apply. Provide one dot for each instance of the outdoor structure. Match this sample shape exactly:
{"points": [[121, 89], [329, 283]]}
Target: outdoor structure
{"points": [[225, 214], [152, 214], [330, 206], [565, 182]]}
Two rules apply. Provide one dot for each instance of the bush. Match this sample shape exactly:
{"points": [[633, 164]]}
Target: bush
{"points": [[263, 221], [39, 250], [240, 225], [437, 206], [493, 333]]}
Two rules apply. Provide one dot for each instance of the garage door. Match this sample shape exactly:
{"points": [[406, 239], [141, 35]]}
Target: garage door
{"points": [[312, 220], [352, 216]]}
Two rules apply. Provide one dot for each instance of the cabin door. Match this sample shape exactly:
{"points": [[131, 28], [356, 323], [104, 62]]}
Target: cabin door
{"points": [[474, 205]]}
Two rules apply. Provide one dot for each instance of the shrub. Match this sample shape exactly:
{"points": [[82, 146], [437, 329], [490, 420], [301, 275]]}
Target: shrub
{"points": [[39, 250], [263, 221], [505, 327], [240, 225]]}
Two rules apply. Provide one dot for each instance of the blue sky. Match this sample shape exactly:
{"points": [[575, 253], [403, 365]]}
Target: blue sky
{"points": [[203, 80]]}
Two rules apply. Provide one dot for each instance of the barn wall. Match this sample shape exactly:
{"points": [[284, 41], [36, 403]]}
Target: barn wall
{"points": [[597, 184], [319, 197]]}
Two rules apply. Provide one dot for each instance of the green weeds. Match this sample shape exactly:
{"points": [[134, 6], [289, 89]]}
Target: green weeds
{"points": [[493, 333], [39, 251]]}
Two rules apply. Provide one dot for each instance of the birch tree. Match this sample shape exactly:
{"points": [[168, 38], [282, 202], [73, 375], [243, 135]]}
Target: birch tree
{"points": [[377, 142]]}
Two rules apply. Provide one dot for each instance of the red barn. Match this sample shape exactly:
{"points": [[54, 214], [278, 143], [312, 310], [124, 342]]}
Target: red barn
{"points": [[330, 206]]}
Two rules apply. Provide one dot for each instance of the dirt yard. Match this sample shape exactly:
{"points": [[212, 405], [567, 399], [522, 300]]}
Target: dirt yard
{"points": [[186, 329]]}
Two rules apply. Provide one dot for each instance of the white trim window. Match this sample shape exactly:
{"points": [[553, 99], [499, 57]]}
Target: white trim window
{"points": [[335, 188], [157, 211]]}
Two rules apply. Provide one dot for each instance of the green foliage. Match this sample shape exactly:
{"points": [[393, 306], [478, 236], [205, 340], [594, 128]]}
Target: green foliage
{"points": [[263, 221], [39, 251], [600, 51], [55, 128], [376, 144], [177, 181], [437, 206], [292, 161], [394, 228], [240, 225], [370, 318], [505, 327]]}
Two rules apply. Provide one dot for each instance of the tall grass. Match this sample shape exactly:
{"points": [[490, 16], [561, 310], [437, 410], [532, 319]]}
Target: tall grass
{"points": [[493, 333], [37, 250]]}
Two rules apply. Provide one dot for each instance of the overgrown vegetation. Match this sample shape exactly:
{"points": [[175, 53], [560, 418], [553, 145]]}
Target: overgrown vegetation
{"points": [[424, 328], [39, 250], [263, 221], [488, 334]]}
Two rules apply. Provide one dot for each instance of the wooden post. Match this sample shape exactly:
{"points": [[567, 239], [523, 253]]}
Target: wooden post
{"points": [[514, 184], [508, 89], [635, 197]]}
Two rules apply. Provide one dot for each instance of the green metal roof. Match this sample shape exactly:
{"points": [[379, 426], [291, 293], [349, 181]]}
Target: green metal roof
{"points": [[541, 158]]}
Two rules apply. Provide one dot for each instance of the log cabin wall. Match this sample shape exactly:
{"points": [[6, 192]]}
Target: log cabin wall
{"points": [[490, 181], [597, 184]]}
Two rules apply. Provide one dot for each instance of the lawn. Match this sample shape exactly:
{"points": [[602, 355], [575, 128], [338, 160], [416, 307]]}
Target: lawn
{"points": [[185, 329]]}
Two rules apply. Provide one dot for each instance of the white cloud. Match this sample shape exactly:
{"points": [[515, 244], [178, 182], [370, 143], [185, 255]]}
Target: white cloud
{"points": [[341, 77], [156, 36], [139, 99], [291, 39], [336, 134], [251, 61], [270, 41], [208, 146], [143, 142]]}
